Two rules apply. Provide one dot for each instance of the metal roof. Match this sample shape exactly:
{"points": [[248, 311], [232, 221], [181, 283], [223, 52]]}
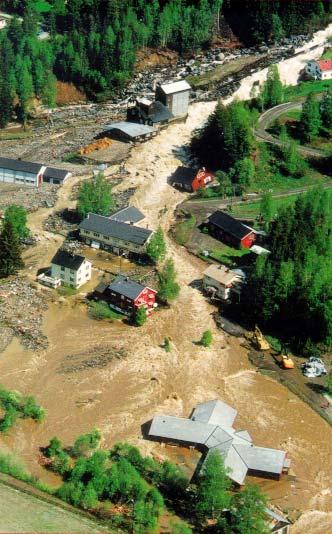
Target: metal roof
{"points": [[57, 174], [66, 259], [261, 458], [230, 225], [221, 274], [214, 412], [20, 165], [111, 228], [132, 129], [127, 287], [180, 429], [175, 87], [128, 215]]}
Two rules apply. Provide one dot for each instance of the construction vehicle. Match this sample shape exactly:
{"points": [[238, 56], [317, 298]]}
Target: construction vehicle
{"points": [[257, 339], [287, 362]]}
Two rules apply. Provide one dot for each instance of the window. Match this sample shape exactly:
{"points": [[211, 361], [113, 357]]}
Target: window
{"points": [[96, 235], [71, 279]]}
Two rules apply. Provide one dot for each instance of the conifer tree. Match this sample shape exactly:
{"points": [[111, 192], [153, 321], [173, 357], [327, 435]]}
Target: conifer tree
{"points": [[156, 248], [272, 90], [168, 287], [10, 251], [310, 118], [141, 316], [326, 110]]}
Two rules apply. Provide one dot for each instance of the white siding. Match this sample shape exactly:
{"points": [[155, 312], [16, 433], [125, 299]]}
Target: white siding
{"points": [[71, 277]]}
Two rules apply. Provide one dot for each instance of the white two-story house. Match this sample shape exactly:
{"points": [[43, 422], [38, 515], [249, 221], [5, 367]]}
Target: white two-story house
{"points": [[319, 69], [72, 269]]}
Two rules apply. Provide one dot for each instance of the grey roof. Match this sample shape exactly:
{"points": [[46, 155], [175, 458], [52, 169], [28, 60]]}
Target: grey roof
{"points": [[183, 176], [111, 228], [20, 165], [128, 215], [66, 259], [132, 129], [228, 224], [175, 87], [124, 286], [214, 412], [57, 174], [211, 426]]}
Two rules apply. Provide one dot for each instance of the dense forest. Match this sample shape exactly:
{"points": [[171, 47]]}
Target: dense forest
{"points": [[93, 43]]}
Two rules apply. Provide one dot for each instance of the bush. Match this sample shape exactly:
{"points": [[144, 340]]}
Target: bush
{"points": [[86, 443], [141, 316], [206, 338], [167, 345], [100, 310], [15, 406]]}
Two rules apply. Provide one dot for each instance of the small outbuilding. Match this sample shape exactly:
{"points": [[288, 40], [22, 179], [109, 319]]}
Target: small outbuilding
{"points": [[231, 231], [17, 171], [190, 179], [129, 131], [175, 96], [127, 296], [220, 281]]}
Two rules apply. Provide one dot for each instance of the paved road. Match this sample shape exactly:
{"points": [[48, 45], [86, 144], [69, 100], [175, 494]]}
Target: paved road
{"points": [[271, 115]]}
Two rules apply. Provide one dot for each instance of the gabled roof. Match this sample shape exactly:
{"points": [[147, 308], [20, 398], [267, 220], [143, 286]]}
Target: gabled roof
{"points": [[157, 112], [180, 429], [20, 165], [126, 287], [325, 64], [132, 129], [175, 87], [111, 228], [66, 259], [214, 412], [222, 274], [230, 225], [57, 174], [183, 176], [128, 215]]}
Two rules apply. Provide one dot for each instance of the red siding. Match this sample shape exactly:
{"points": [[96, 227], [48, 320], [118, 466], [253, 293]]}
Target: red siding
{"points": [[201, 180], [146, 298], [248, 240]]}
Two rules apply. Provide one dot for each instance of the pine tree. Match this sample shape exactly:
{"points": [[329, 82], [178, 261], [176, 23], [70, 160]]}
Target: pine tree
{"points": [[272, 90], [326, 110], [277, 30], [156, 248], [10, 252], [168, 287], [310, 118], [266, 209]]}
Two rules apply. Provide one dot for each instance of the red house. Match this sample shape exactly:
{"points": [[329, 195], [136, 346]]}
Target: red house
{"points": [[231, 231], [191, 179], [126, 296]]}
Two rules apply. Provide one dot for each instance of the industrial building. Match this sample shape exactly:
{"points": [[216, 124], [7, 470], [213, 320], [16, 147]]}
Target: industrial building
{"points": [[175, 96], [209, 429], [16, 171]]}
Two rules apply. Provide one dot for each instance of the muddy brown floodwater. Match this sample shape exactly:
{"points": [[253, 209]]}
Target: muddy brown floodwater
{"points": [[116, 377]]}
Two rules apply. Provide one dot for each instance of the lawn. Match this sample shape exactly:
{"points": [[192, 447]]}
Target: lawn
{"points": [[293, 92], [232, 257], [183, 230], [100, 310], [327, 54], [252, 209]]}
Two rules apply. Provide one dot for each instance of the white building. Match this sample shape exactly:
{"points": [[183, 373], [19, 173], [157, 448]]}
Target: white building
{"points": [[72, 269], [27, 173], [175, 96], [220, 281], [319, 70]]}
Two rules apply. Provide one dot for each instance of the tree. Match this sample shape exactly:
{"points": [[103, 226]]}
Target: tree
{"points": [[272, 90], [180, 528], [95, 196], [266, 207], [156, 248], [243, 172], [10, 251], [168, 287], [86, 443], [328, 383], [206, 338], [310, 118], [212, 496], [248, 511], [326, 110], [167, 345], [17, 216], [141, 316], [294, 164], [277, 31], [54, 448], [24, 87]]}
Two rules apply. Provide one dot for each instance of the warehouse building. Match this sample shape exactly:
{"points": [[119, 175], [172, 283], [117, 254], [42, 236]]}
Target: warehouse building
{"points": [[16, 171]]}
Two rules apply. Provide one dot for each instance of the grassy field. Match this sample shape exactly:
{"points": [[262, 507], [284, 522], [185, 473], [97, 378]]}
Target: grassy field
{"points": [[22, 512], [183, 230], [327, 54], [229, 256], [208, 79], [293, 92], [252, 209]]}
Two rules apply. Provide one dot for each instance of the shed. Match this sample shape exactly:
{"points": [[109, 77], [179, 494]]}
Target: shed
{"points": [[175, 96], [231, 231], [148, 112], [129, 131]]}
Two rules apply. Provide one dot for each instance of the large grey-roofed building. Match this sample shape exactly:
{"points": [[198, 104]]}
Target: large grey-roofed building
{"points": [[29, 173], [129, 131], [129, 215], [210, 429]]}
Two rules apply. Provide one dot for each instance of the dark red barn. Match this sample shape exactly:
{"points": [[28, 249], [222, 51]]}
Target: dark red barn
{"points": [[224, 227], [126, 296]]}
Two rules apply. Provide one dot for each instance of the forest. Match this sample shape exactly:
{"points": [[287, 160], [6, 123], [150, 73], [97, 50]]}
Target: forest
{"points": [[93, 43]]}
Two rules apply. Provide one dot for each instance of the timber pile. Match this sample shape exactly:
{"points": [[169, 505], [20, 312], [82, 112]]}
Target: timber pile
{"points": [[97, 145]]}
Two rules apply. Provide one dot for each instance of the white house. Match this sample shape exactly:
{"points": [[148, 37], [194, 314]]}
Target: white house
{"points": [[320, 69], [72, 269], [220, 281]]}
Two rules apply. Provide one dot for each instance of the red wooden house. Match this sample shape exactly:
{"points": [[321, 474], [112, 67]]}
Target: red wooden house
{"points": [[191, 179], [224, 227], [127, 296]]}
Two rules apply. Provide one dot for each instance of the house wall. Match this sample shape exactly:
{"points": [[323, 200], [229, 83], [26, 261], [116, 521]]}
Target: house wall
{"points": [[223, 291], [129, 306], [71, 277], [217, 233], [248, 241], [147, 298], [12, 177], [112, 243], [178, 103], [202, 179]]}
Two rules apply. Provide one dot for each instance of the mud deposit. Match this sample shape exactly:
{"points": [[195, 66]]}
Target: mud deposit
{"points": [[116, 377]]}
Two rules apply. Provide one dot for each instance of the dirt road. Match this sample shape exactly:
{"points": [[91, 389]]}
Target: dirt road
{"points": [[81, 388]]}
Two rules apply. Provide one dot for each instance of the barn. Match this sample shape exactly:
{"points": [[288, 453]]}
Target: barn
{"points": [[230, 231], [190, 179], [175, 96]]}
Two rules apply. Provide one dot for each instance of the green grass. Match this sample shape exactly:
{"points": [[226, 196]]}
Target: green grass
{"points": [[66, 291], [12, 136], [227, 255], [252, 209], [293, 92], [100, 310], [294, 114], [327, 54], [183, 230], [10, 466]]}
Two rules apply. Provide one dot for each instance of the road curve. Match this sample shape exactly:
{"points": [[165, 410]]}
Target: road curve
{"points": [[271, 115]]}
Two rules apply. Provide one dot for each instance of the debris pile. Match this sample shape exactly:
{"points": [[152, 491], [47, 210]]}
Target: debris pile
{"points": [[31, 198], [105, 142], [21, 311]]}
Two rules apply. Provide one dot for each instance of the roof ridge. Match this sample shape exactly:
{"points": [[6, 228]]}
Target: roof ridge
{"points": [[235, 447]]}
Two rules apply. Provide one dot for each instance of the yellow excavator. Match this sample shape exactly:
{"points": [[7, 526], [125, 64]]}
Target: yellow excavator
{"points": [[257, 339]]}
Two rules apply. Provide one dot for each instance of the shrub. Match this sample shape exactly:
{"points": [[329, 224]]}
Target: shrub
{"points": [[141, 316], [167, 345], [100, 310], [86, 443], [206, 338]]}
